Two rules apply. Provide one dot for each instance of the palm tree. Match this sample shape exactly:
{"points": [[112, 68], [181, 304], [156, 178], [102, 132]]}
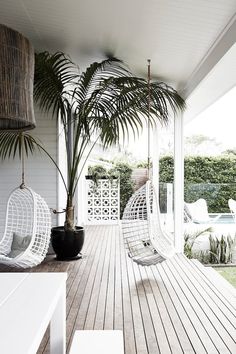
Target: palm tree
{"points": [[104, 102]]}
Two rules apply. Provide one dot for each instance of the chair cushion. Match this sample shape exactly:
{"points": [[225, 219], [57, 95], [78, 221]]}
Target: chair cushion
{"points": [[19, 245], [198, 211]]}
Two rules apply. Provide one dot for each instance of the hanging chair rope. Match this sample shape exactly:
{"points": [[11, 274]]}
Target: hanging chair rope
{"points": [[22, 161], [148, 122]]}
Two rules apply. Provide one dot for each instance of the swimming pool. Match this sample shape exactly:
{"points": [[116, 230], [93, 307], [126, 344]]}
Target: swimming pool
{"points": [[224, 219]]}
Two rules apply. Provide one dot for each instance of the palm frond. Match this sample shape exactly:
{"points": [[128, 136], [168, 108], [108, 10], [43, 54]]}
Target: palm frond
{"points": [[11, 144], [92, 77], [53, 74], [120, 102], [106, 98]]}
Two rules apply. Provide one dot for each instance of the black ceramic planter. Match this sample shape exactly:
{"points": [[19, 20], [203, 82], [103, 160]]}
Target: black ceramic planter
{"points": [[67, 244]]}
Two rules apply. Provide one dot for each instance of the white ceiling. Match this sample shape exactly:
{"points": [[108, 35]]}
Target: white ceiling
{"points": [[177, 35]]}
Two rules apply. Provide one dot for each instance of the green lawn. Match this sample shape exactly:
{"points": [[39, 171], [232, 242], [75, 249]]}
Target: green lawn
{"points": [[229, 273]]}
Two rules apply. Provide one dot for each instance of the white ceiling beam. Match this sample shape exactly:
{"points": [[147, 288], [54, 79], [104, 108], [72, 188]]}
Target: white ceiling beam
{"points": [[220, 47], [217, 83]]}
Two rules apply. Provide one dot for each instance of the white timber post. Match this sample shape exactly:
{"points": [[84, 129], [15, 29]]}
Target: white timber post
{"points": [[178, 183], [155, 157]]}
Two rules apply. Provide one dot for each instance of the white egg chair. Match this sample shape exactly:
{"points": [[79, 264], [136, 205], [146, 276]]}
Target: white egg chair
{"points": [[147, 243], [27, 229]]}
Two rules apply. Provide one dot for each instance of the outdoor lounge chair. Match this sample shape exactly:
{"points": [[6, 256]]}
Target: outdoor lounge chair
{"points": [[197, 212], [232, 207], [27, 230]]}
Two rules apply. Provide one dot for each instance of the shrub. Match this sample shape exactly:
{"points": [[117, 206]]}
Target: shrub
{"points": [[166, 169], [221, 249], [96, 172]]}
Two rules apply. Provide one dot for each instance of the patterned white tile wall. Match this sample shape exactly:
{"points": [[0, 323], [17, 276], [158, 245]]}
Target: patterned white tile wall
{"points": [[103, 201]]}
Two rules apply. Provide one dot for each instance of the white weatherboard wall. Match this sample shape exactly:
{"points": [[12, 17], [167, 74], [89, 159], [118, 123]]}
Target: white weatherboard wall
{"points": [[40, 174]]}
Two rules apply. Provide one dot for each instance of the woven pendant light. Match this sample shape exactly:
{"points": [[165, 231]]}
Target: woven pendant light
{"points": [[16, 81]]}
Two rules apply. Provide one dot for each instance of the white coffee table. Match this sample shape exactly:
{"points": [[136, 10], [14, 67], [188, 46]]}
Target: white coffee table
{"points": [[28, 303]]}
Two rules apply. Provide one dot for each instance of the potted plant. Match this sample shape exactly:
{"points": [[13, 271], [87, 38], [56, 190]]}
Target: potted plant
{"points": [[102, 103]]}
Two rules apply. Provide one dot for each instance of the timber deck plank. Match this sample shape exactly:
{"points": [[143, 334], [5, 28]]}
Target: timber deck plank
{"points": [[176, 307]]}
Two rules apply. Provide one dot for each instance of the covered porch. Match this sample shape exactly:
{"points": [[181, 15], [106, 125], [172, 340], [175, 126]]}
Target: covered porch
{"points": [[178, 306], [197, 60]]}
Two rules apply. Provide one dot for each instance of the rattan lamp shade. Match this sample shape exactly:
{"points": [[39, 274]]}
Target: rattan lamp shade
{"points": [[16, 81]]}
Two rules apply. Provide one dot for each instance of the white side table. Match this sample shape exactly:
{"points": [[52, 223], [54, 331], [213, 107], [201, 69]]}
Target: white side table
{"points": [[28, 303]]}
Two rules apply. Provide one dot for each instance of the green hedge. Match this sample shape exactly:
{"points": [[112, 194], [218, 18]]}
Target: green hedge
{"points": [[211, 178], [124, 171]]}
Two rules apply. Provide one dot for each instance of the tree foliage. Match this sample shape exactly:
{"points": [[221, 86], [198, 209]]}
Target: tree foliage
{"points": [[199, 144]]}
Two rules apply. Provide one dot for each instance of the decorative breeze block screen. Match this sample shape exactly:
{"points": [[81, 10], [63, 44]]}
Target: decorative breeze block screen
{"points": [[103, 200]]}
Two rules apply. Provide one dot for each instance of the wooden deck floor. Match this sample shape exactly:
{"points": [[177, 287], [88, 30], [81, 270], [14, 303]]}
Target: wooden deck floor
{"points": [[175, 307]]}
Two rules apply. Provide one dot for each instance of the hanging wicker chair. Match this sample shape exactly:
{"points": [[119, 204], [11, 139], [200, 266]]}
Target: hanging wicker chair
{"points": [[27, 230], [146, 241]]}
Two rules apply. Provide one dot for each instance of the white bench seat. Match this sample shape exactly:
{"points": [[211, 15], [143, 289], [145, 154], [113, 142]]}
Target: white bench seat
{"points": [[99, 342]]}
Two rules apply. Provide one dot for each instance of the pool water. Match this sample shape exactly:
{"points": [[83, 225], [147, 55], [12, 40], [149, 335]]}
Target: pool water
{"points": [[224, 219]]}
